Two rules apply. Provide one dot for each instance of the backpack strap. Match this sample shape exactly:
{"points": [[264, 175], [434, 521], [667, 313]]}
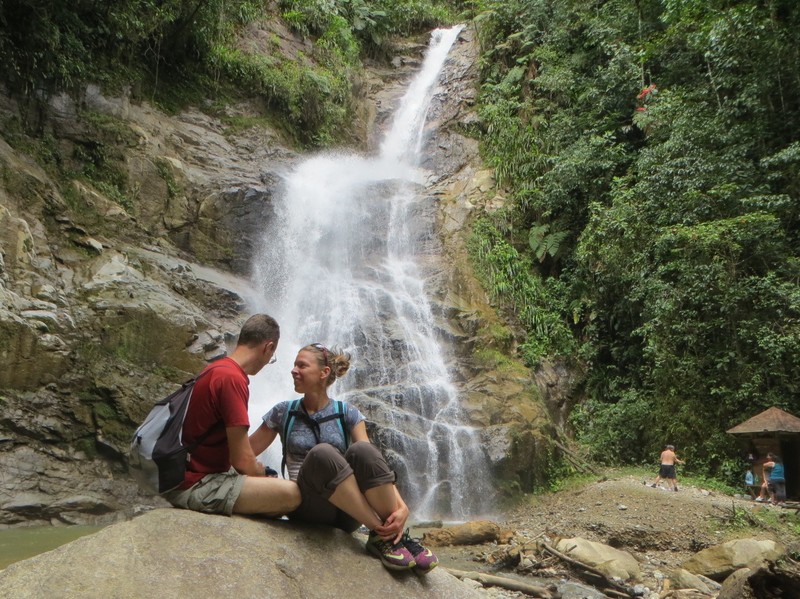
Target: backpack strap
{"points": [[339, 415], [341, 412], [288, 422], [218, 424]]}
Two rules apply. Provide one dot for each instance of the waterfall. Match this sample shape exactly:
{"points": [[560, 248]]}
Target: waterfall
{"points": [[344, 263]]}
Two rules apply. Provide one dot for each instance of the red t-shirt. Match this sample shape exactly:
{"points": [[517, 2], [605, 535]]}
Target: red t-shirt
{"points": [[220, 395]]}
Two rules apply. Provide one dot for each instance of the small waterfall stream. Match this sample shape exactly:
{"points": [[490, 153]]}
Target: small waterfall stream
{"points": [[341, 265]]}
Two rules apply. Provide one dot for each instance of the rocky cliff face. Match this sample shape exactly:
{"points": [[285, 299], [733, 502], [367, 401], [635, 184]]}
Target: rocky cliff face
{"points": [[518, 410], [106, 302], [104, 305]]}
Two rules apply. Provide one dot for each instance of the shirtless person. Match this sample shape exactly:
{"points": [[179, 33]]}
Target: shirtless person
{"points": [[667, 470]]}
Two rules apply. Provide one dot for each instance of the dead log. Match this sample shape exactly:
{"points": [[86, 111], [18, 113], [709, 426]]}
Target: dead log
{"points": [[507, 583], [470, 533]]}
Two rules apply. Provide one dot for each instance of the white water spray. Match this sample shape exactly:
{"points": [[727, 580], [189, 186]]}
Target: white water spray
{"points": [[340, 265]]}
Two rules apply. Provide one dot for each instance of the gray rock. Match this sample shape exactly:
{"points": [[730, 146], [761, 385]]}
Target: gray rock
{"points": [[612, 562], [737, 585], [719, 561], [176, 553], [683, 579]]}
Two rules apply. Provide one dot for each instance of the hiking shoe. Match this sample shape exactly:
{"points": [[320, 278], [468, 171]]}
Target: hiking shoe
{"points": [[392, 555], [425, 558]]}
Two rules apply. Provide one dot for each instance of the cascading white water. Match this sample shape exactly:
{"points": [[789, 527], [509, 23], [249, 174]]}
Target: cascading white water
{"points": [[340, 265]]}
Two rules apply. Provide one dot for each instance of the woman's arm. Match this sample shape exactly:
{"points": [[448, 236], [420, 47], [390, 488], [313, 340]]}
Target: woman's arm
{"points": [[395, 524], [262, 438], [359, 433]]}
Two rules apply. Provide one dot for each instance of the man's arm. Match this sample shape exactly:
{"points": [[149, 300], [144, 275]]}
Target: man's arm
{"points": [[242, 457]]}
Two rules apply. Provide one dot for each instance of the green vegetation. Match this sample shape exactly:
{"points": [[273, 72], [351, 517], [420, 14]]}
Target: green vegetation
{"points": [[370, 25], [174, 189], [509, 276], [743, 520], [564, 477], [651, 155], [177, 52]]}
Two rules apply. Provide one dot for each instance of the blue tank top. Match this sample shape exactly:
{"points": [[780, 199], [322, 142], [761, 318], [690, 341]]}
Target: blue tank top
{"points": [[777, 473]]}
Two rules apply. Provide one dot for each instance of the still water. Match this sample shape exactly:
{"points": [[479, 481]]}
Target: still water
{"points": [[21, 543]]}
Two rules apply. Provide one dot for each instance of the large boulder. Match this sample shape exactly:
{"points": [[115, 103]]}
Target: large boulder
{"points": [[737, 585], [610, 561], [177, 553], [772, 580], [720, 561]]}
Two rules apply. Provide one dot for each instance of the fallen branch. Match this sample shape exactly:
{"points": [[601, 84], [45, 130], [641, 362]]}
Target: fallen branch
{"points": [[610, 588], [573, 562], [507, 583], [734, 513], [576, 461]]}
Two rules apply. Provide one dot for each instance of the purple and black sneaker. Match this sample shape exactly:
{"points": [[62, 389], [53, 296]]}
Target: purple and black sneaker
{"points": [[425, 559], [392, 555]]}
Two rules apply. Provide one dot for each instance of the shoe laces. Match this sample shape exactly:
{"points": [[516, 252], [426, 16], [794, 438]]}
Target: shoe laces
{"points": [[411, 544], [385, 545]]}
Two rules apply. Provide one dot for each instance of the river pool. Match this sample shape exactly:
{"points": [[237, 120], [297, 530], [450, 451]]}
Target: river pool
{"points": [[21, 543]]}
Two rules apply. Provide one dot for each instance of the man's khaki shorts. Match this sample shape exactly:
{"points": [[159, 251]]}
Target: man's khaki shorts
{"points": [[214, 494]]}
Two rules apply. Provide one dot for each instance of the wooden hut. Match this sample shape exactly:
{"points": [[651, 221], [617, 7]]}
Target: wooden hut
{"points": [[776, 431]]}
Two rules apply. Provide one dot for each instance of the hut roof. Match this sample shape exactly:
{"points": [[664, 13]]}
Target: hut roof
{"points": [[771, 420]]}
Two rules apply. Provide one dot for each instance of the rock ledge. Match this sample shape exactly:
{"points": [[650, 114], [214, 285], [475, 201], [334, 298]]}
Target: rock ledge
{"points": [[176, 553]]}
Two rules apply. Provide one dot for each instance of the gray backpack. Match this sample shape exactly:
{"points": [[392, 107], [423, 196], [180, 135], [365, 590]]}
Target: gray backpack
{"points": [[157, 457]]}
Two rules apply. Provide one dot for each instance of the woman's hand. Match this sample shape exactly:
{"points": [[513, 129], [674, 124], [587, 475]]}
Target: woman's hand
{"points": [[393, 527]]}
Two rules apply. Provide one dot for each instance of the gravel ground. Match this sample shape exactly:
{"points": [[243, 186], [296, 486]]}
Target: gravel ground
{"points": [[660, 528]]}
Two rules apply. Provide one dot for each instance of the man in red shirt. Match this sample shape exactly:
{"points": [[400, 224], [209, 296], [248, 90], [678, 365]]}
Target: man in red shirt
{"points": [[223, 475]]}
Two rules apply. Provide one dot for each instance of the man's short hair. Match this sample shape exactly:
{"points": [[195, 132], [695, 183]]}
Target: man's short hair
{"points": [[671, 447], [258, 329]]}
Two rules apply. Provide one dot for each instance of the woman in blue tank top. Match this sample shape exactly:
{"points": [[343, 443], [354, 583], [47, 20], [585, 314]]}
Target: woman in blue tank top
{"points": [[777, 481]]}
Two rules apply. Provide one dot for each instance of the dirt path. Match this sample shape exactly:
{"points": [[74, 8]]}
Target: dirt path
{"points": [[660, 528]]}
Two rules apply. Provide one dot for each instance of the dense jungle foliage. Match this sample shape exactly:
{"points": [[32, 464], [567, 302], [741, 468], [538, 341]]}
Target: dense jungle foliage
{"points": [[176, 51], [650, 150]]}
